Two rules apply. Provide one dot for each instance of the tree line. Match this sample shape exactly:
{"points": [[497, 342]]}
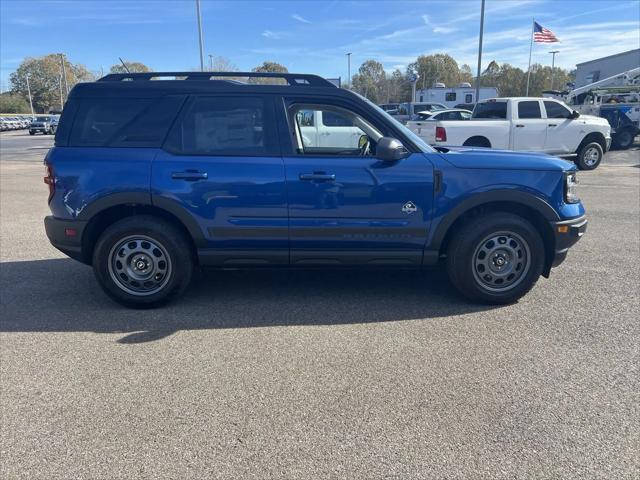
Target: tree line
{"points": [[49, 90], [377, 85]]}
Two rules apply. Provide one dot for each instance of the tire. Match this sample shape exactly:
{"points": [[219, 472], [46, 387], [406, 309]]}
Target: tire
{"points": [[477, 142], [624, 139], [143, 261], [32, 133], [479, 248], [589, 156]]}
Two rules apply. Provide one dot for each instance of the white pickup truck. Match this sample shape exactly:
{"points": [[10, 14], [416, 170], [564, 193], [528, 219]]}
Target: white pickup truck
{"points": [[530, 124]]}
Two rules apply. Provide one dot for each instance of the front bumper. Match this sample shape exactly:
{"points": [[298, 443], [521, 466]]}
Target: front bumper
{"points": [[567, 233], [66, 236]]}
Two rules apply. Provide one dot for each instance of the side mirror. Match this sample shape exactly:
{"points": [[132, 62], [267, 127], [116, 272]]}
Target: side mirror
{"points": [[574, 115], [390, 149]]}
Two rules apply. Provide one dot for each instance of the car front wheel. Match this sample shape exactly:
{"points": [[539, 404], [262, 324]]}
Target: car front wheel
{"points": [[143, 261], [495, 258]]}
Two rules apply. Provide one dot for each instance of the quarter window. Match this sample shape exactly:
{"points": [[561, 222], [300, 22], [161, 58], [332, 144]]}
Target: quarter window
{"points": [[529, 110]]}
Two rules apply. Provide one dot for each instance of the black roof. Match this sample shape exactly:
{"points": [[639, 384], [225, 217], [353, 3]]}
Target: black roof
{"points": [[155, 84]]}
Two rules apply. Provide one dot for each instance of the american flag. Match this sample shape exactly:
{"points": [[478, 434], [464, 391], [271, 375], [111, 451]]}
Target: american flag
{"points": [[543, 35]]}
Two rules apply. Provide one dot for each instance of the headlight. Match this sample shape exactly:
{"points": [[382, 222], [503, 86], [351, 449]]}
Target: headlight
{"points": [[570, 188]]}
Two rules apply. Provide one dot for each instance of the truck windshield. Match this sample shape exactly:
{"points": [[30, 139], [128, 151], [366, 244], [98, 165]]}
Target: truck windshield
{"points": [[491, 110]]}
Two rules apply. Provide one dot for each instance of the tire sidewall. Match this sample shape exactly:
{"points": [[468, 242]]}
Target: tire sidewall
{"points": [[460, 260], [173, 242], [581, 162]]}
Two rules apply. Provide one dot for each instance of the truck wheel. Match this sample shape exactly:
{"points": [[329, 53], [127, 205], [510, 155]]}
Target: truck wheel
{"points": [[495, 258], [143, 261], [623, 139], [32, 133], [589, 156], [477, 142]]}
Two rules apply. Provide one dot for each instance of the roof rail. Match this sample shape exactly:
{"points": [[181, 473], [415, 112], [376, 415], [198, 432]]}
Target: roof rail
{"points": [[293, 79]]}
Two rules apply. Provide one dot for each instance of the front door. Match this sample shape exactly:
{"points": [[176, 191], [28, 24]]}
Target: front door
{"points": [[346, 206], [221, 165]]}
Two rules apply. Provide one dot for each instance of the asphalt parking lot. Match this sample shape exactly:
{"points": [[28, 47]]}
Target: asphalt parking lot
{"points": [[320, 374]]}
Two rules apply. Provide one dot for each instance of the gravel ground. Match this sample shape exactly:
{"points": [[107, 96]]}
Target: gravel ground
{"points": [[320, 374]]}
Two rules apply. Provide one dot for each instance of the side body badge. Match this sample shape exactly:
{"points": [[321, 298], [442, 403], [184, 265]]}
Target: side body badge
{"points": [[409, 208]]}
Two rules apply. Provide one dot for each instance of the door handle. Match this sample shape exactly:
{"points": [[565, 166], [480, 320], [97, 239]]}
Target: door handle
{"points": [[189, 175], [553, 124], [317, 177], [519, 125]]}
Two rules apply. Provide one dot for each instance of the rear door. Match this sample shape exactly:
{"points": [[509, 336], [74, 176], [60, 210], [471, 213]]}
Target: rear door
{"points": [[221, 166], [346, 206], [529, 128]]}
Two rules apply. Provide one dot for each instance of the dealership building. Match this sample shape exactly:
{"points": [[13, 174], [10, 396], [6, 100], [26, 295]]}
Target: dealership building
{"points": [[600, 68]]}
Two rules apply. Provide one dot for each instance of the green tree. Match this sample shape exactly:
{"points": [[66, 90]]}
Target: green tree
{"points": [[46, 80], [133, 67], [270, 67], [13, 103], [370, 81], [440, 67]]}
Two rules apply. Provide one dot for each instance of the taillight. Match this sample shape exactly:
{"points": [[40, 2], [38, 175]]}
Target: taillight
{"points": [[441, 134], [50, 180]]}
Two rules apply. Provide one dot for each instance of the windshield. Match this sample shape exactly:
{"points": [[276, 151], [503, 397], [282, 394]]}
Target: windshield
{"points": [[421, 144]]}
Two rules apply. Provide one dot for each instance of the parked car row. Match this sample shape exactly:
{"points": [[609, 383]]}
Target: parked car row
{"points": [[45, 124], [14, 123], [521, 124]]}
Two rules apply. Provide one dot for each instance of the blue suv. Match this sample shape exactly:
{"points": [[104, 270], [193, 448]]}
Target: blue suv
{"points": [[155, 174]]}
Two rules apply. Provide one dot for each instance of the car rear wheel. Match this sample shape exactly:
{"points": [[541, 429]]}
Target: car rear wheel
{"points": [[624, 139], [589, 156], [143, 261], [495, 258]]}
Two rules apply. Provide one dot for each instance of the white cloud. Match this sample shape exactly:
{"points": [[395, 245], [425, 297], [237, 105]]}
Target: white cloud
{"points": [[300, 18], [274, 35]]}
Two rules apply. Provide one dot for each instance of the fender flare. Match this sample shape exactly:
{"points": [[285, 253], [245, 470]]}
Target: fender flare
{"points": [[144, 199], [528, 200]]}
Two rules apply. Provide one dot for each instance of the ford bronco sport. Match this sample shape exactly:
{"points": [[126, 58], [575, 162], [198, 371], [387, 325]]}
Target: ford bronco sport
{"points": [[155, 174]]}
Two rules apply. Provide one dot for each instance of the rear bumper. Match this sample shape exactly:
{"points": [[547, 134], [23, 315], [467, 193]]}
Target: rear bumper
{"points": [[61, 235], [567, 233]]}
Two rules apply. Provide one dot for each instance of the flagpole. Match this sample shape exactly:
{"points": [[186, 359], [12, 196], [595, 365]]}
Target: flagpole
{"points": [[533, 27]]}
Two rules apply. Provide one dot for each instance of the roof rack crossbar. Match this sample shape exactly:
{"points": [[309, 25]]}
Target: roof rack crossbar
{"points": [[292, 79]]}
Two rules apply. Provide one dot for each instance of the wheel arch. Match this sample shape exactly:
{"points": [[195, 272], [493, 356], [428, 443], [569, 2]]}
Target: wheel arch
{"points": [[597, 137], [101, 214], [528, 206], [475, 140]]}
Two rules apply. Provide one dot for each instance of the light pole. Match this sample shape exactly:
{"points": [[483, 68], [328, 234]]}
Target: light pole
{"points": [[29, 91], [349, 68], [200, 35], [480, 52], [210, 63], [553, 64]]}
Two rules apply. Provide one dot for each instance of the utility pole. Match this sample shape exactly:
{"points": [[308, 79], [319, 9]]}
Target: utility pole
{"points": [[349, 68], [480, 52], [29, 91], [553, 64], [61, 96], [200, 35], [64, 74], [210, 63]]}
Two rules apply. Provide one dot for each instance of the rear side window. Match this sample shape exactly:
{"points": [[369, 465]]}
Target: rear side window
{"points": [[529, 110], [123, 122], [491, 110], [225, 126]]}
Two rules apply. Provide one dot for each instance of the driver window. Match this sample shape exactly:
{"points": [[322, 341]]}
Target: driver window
{"points": [[329, 130]]}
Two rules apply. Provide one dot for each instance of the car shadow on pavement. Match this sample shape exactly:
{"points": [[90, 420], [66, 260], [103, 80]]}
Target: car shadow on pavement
{"points": [[61, 295]]}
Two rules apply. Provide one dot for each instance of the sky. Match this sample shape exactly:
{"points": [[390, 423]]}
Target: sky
{"points": [[310, 36]]}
